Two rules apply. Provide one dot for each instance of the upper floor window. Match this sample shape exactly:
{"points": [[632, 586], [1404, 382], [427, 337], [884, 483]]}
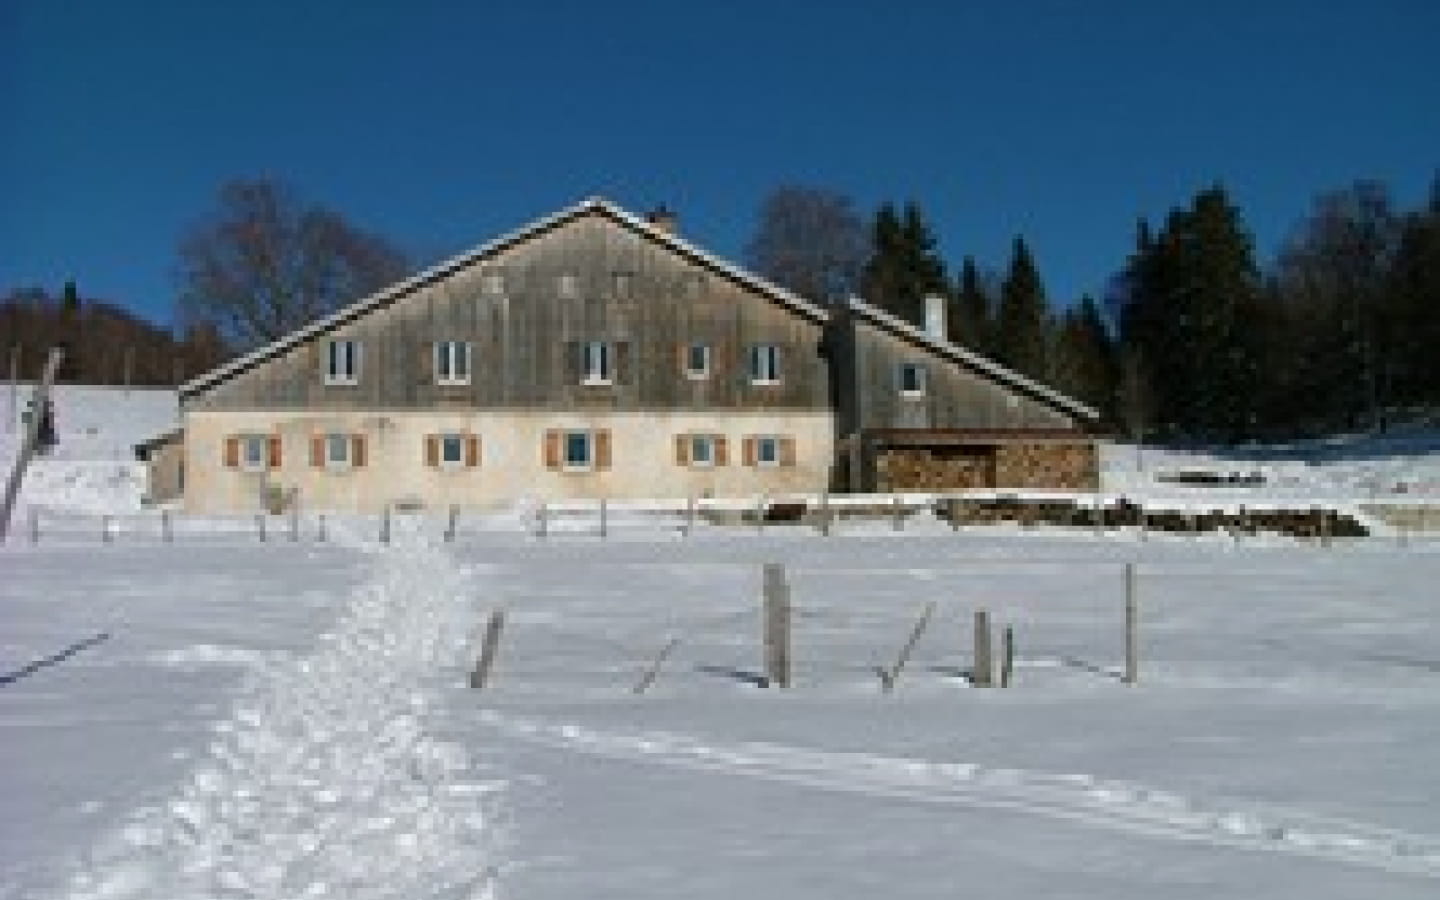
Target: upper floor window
{"points": [[569, 286], [912, 379], [765, 364], [342, 362], [697, 361], [452, 362], [597, 363]]}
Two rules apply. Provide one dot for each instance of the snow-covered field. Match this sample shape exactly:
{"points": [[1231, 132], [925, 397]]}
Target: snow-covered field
{"points": [[217, 717]]}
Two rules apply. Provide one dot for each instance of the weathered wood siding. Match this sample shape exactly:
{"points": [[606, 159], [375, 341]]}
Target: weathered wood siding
{"points": [[630, 289], [954, 396]]}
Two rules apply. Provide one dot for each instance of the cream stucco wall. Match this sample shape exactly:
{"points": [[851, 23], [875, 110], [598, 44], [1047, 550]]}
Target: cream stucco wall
{"points": [[512, 465]]}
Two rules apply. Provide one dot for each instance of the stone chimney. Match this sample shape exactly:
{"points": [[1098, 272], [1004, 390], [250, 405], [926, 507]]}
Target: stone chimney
{"points": [[663, 219], [935, 317]]}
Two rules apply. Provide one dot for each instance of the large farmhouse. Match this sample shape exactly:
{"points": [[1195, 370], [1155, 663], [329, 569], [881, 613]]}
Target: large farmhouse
{"points": [[595, 353]]}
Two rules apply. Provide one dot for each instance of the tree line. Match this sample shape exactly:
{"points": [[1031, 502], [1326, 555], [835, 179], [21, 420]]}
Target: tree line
{"points": [[1194, 338]]}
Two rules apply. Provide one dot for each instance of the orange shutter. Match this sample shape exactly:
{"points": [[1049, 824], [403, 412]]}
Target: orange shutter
{"points": [[748, 451], [602, 449], [787, 451], [274, 451], [552, 449], [232, 453], [721, 456], [472, 450], [432, 450], [357, 450], [682, 449], [317, 451]]}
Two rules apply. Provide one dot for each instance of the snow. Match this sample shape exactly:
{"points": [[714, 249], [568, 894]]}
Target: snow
{"points": [[220, 717]]}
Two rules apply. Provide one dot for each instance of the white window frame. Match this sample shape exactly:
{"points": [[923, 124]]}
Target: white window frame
{"points": [[691, 372], [262, 461], [922, 377], [765, 364], [586, 441], [773, 442], [342, 367], [458, 440], [597, 362], [346, 442], [706, 441], [447, 354]]}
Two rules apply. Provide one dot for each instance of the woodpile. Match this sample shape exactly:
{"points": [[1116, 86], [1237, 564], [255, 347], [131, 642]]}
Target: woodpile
{"points": [[1304, 523], [1053, 466]]}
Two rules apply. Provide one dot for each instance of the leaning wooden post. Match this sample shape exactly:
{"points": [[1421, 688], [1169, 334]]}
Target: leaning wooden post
{"points": [[1132, 624], [983, 673], [1007, 659], [452, 523], [652, 671], [491, 645], [166, 533], [777, 626], [888, 677]]}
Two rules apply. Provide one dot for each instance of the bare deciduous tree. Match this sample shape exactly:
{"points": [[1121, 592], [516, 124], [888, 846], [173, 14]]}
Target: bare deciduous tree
{"points": [[263, 263], [810, 241]]}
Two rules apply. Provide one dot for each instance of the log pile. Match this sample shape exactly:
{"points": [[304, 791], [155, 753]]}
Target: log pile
{"points": [[1053, 466], [1302, 523]]}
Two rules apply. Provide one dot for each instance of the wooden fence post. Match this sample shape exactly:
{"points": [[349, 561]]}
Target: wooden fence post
{"points": [[888, 677], [385, 525], [260, 527], [983, 672], [129, 367], [166, 534], [34, 525], [604, 528], [320, 531], [452, 524], [1132, 624], [825, 513], [1007, 660], [689, 516], [899, 522], [540, 524], [481, 675], [652, 671], [294, 522], [760, 514], [105, 529], [777, 626]]}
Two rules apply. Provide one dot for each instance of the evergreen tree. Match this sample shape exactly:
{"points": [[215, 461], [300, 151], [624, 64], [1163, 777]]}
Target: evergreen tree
{"points": [[903, 266], [1020, 339], [1082, 357], [971, 324]]}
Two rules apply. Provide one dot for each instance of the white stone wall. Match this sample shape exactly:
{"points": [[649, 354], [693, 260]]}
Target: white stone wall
{"points": [[512, 464]]}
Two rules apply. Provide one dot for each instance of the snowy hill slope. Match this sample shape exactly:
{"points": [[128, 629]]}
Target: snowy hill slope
{"points": [[93, 468]]}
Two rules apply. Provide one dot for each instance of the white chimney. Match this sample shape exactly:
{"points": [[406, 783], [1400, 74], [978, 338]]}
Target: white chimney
{"points": [[935, 316]]}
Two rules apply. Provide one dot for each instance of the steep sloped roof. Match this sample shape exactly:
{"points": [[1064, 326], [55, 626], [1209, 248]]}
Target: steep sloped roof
{"points": [[396, 292], [971, 359]]}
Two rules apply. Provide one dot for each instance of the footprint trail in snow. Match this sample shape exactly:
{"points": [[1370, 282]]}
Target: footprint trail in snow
{"points": [[323, 782]]}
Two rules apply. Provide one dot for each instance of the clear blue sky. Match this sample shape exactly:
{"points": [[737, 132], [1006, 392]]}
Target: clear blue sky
{"points": [[440, 125]]}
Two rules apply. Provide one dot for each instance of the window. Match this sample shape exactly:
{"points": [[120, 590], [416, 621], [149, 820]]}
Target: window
{"points": [[577, 450], [452, 362], [252, 452], [452, 449], [912, 379], [697, 361], [342, 362], [569, 286], [702, 450], [337, 451], [767, 450], [596, 366], [765, 364]]}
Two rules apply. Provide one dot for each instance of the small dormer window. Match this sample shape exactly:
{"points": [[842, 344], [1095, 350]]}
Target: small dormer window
{"points": [[342, 362], [765, 364], [597, 363], [697, 361], [452, 363]]}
